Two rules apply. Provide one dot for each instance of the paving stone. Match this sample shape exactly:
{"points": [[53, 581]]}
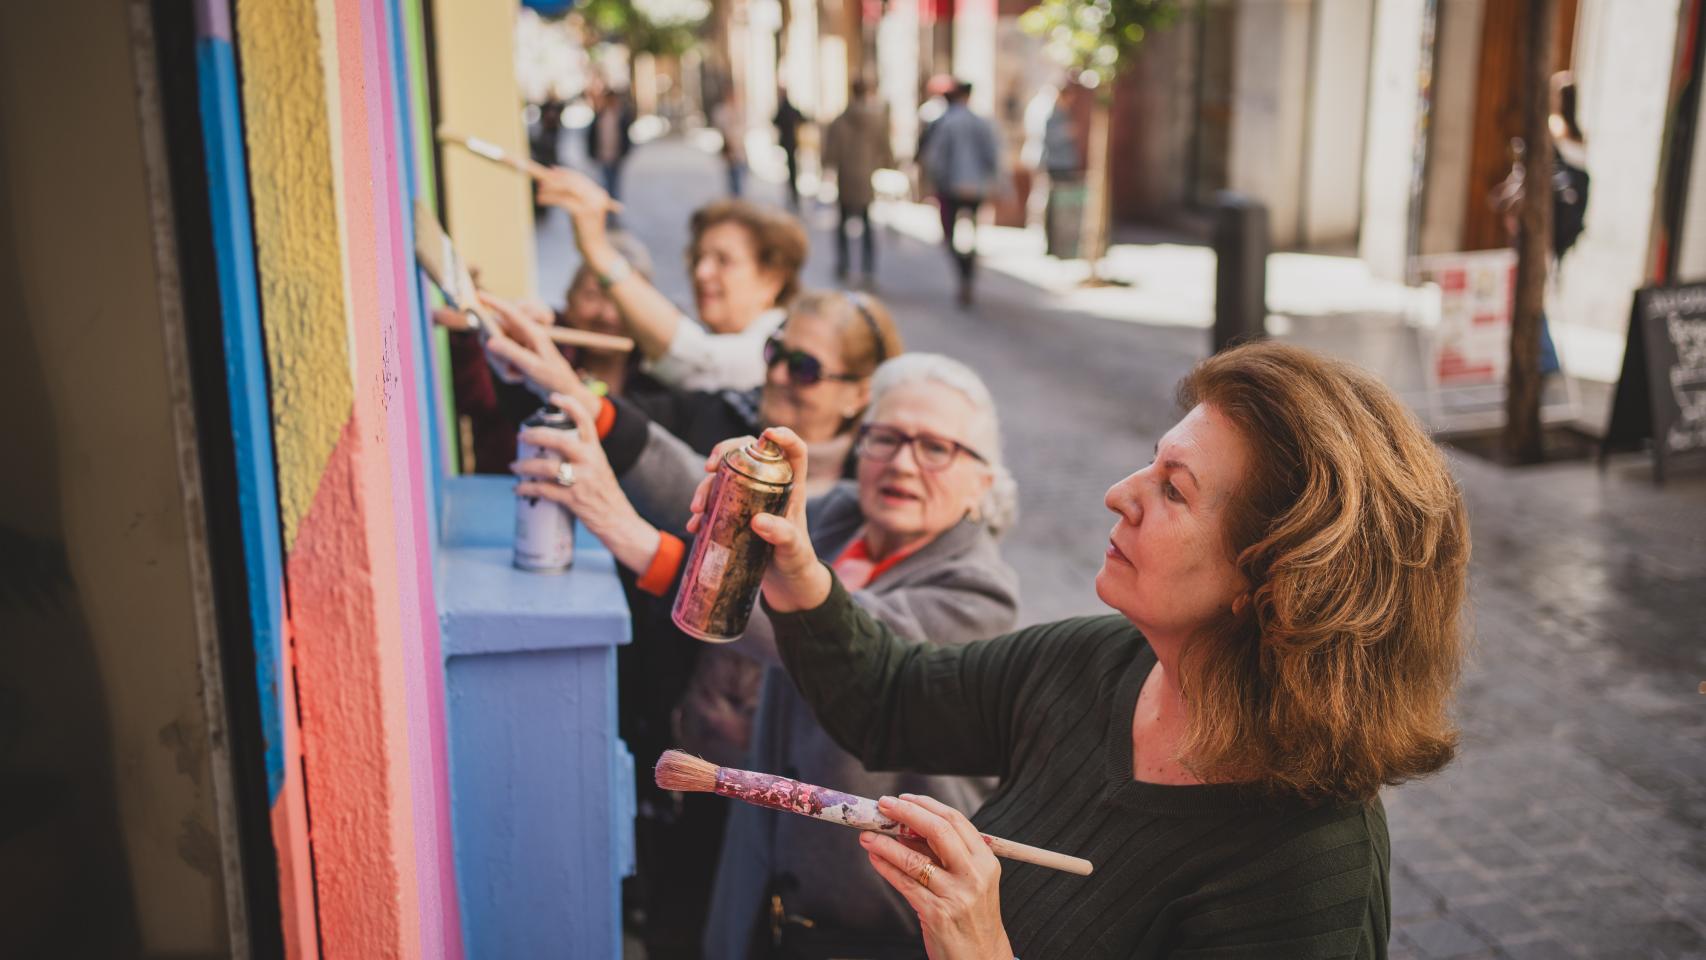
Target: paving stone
{"points": [[1440, 938]]}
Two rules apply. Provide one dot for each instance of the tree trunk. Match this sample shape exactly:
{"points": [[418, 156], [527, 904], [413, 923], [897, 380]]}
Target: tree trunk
{"points": [[1534, 241], [1093, 233]]}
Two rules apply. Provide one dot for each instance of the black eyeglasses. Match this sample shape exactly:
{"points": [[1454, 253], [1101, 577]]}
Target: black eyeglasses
{"points": [[882, 443], [803, 368]]}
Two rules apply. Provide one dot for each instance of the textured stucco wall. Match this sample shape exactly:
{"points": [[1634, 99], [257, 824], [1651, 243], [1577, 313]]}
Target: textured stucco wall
{"points": [[330, 168], [88, 292], [297, 244], [316, 116]]}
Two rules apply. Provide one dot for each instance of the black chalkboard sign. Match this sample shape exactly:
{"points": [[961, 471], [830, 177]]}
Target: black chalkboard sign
{"points": [[1661, 393]]}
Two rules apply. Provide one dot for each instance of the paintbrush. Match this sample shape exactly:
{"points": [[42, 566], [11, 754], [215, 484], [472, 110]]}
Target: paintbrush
{"points": [[569, 336], [688, 774], [492, 152]]}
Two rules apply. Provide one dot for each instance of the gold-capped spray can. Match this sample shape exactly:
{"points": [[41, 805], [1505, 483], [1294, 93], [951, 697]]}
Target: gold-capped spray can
{"points": [[728, 560]]}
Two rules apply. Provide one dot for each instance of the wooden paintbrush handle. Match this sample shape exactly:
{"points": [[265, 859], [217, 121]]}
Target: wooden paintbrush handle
{"points": [[1014, 850], [592, 341]]}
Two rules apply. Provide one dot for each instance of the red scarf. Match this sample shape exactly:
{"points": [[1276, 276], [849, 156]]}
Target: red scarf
{"points": [[856, 568]]}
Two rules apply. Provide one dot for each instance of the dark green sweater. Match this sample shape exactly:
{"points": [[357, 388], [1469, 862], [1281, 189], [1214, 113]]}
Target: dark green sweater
{"points": [[1214, 871]]}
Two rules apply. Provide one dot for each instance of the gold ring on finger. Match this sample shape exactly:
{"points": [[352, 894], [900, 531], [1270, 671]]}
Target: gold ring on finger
{"points": [[924, 874]]}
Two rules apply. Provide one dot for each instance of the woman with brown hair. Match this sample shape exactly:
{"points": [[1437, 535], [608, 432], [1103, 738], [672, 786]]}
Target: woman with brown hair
{"points": [[745, 263], [1288, 574]]}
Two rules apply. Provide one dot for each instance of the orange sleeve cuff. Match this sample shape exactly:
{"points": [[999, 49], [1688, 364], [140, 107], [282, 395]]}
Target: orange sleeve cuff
{"points": [[665, 563], [606, 417]]}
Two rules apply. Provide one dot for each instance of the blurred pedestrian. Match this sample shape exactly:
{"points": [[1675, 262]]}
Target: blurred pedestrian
{"points": [[607, 136], [963, 160], [1569, 189], [727, 117], [856, 146], [1056, 129], [788, 121], [745, 264]]}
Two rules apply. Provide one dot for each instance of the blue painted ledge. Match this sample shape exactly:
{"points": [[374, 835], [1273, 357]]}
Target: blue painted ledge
{"points": [[542, 790]]}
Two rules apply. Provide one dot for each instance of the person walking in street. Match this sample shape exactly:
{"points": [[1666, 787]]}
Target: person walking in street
{"points": [[1569, 190], [607, 137], [963, 160], [857, 145], [1056, 125], [730, 121], [745, 262], [788, 121]]}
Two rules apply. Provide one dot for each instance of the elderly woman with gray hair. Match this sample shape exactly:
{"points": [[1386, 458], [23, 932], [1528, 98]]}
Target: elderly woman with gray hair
{"points": [[913, 536]]}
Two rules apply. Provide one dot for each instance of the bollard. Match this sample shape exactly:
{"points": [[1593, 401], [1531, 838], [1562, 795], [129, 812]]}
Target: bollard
{"points": [[1241, 270]]}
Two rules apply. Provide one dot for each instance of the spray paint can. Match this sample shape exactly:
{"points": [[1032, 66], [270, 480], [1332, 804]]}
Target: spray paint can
{"points": [[544, 529], [728, 559]]}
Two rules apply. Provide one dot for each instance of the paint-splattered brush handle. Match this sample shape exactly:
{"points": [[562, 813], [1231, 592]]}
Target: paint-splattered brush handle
{"points": [[861, 813]]}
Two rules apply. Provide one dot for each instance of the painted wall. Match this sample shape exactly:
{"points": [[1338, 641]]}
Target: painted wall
{"points": [[104, 474], [328, 155], [488, 208]]}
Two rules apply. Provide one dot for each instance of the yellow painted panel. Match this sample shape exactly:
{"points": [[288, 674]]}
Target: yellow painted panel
{"points": [[297, 242]]}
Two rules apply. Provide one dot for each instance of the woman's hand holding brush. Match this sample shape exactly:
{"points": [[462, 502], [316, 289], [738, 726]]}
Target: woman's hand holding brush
{"points": [[955, 886]]}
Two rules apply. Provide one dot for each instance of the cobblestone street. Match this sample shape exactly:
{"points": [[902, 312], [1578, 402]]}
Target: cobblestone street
{"points": [[1573, 823]]}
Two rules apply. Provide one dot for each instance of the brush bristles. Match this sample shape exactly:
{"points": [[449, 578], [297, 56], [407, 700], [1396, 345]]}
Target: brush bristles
{"points": [[685, 773]]}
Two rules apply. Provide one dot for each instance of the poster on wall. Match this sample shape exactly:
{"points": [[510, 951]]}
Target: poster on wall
{"points": [[1471, 344]]}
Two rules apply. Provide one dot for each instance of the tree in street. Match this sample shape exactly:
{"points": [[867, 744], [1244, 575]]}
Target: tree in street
{"points": [[1522, 439]]}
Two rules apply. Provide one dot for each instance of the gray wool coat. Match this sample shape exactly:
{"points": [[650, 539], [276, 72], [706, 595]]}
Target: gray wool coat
{"points": [[955, 589]]}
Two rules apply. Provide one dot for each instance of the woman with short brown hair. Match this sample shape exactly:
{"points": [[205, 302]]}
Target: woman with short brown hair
{"points": [[1289, 574], [744, 262]]}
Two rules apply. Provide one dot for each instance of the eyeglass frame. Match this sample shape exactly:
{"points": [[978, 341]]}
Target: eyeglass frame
{"points": [[911, 440], [776, 352]]}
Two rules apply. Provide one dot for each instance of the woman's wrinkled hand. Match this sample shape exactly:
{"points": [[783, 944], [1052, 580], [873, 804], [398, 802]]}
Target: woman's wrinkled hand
{"points": [[953, 881], [595, 497], [795, 579], [527, 346]]}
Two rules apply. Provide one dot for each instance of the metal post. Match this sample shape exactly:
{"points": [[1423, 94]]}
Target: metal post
{"points": [[1241, 271]]}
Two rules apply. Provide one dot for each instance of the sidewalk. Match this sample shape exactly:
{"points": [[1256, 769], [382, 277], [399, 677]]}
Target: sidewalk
{"points": [[1573, 824]]}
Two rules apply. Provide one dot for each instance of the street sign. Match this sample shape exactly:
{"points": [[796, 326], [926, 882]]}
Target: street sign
{"points": [[1661, 392]]}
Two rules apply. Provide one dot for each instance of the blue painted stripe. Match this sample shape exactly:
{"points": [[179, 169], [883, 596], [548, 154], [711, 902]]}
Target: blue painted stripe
{"points": [[426, 386], [246, 376]]}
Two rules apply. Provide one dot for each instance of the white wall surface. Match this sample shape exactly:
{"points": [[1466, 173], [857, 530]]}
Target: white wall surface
{"points": [[1624, 53], [1451, 136], [1338, 78], [1269, 90], [1388, 159]]}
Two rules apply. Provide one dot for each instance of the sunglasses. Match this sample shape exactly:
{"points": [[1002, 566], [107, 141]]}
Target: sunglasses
{"points": [[882, 443], [803, 368]]}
